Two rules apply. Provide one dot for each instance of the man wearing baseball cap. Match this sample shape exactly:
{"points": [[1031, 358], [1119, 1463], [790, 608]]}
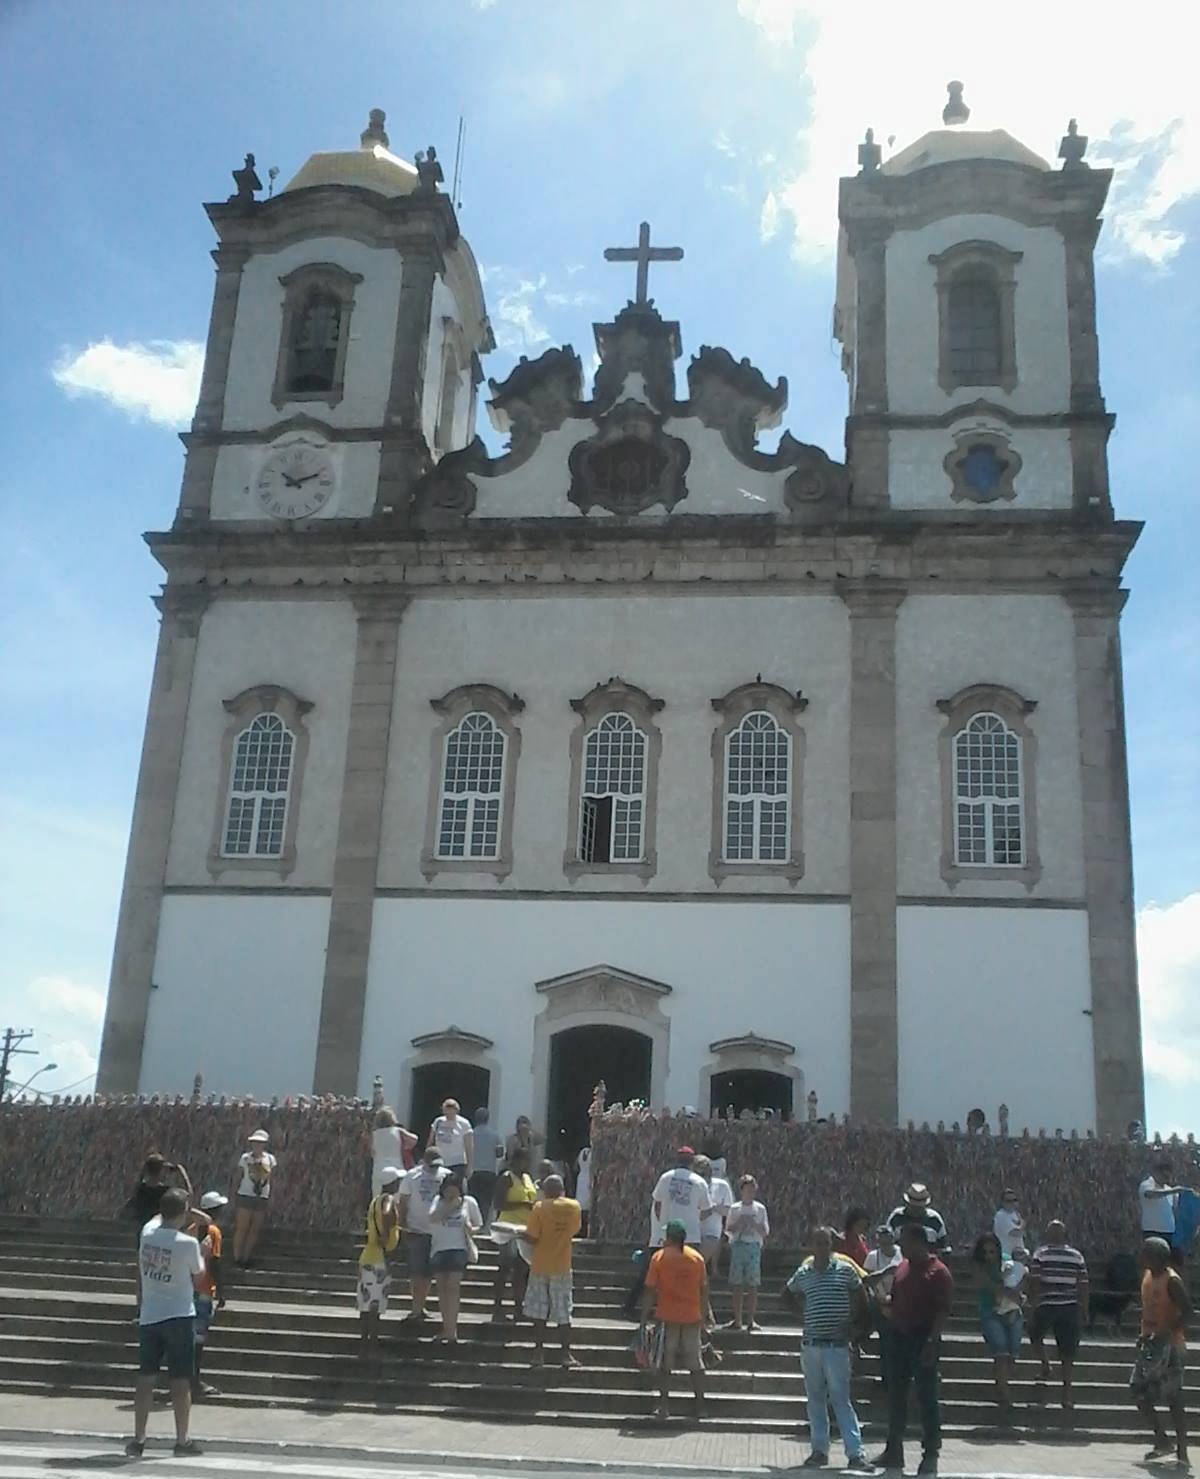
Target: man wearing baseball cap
{"points": [[917, 1208], [210, 1296], [676, 1294]]}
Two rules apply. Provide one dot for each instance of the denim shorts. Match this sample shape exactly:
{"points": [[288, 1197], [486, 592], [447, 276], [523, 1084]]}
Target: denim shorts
{"points": [[416, 1253], [1002, 1333], [449, 1261], [172, 1341], [205, 1309]]}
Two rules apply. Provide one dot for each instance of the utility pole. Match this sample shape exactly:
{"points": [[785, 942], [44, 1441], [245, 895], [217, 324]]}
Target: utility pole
{"points": [[9, 1049]]}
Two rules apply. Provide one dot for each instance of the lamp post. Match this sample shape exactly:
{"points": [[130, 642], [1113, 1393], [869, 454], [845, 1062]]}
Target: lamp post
{"points": [[45, 1068]]}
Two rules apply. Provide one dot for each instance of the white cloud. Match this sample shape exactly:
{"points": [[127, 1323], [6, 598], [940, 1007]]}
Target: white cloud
{"points": [[157, 381], [74, 999], [517, 326], [1169, 973], [887, 66], [768, 221]]}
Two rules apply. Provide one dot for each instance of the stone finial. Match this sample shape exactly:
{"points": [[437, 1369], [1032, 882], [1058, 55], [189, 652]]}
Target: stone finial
{"points": [[1073, 147], [197, 1088], [246, 179], [429, 170], [955, 111], [377, 1092], [870, 155], [1002, 1119], [812, 1106], [375, 133]]}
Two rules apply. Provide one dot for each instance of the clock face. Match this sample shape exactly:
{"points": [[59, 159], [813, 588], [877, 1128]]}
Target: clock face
{"points": [[296, 481]]}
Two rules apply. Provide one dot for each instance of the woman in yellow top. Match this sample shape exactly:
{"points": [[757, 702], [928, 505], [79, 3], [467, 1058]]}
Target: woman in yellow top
{"points": [[515, 1195], [1158, 1368], [374, 1275]]}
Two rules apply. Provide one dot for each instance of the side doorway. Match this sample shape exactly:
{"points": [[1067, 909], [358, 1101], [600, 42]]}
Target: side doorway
{"points": [[432, 1083], [750, 1088]]}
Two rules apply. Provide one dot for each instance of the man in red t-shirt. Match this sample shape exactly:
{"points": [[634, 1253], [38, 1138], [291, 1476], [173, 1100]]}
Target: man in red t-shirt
{"points": [[918, 1305]]}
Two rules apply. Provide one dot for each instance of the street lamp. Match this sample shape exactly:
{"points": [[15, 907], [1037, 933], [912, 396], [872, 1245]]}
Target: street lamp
{"points": [[45, 1068]]}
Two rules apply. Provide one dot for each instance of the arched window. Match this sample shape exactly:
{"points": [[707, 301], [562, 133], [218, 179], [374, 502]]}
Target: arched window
{"points": [[613, 807], [260, 778], [443, 437], [987, 794], [472, 782], [314, 333], [974, 329], [312, 364], [758, 767], [977, 337], [472, 789], [988, 758]]}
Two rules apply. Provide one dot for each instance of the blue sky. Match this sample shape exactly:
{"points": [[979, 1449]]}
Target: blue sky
{"points": [[726, 125]]}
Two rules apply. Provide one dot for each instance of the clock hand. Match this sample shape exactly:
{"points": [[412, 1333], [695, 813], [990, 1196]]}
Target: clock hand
{"points": [[298, 481], [291, 482]]}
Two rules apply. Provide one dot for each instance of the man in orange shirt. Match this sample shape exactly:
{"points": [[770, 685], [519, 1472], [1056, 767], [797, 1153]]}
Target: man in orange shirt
{"points": [[553, 1222], [677, 1295], [209, 1296], [1158, 1368]]}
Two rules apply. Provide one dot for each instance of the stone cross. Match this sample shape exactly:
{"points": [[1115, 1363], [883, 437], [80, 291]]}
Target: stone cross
{"points": [[643, 254]]}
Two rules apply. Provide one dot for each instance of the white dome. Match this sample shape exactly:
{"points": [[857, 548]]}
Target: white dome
{"points": [[948, 145]]}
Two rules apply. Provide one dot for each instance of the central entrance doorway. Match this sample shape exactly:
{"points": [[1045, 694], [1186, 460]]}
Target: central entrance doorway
{"points": [[752, 1089], [579, 1057], [432, 1083]]}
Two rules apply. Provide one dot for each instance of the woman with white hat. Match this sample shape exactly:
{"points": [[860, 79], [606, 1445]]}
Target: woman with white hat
{"points": [[256, 1168]]}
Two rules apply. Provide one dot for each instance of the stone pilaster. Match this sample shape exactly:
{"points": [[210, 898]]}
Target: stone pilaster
{"points": [[150, 838], [874, 1032], [196, 496], [356, 863], [404, 455], [866, 437], [1107, 858]]}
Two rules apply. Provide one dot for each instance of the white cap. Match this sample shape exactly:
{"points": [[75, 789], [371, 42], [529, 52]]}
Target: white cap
{"points": [[390, 1174], [211, 1200], [258, 1137]]}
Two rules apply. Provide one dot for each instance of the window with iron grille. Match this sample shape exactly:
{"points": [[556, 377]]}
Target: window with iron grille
{"points": [[758, 762], [974, 329], [259, 781], [472, 789], [988, 830], [613, 801]]}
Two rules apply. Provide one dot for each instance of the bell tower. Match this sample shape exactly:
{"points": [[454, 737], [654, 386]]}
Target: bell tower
{"points": [[344, 342], [966, 313]]}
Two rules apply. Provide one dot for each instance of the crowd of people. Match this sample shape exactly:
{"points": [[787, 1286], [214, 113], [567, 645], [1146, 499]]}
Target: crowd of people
{"points": [[436, 1194]]}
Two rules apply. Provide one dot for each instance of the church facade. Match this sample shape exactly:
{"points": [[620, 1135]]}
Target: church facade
{"points": [[638, 751]]}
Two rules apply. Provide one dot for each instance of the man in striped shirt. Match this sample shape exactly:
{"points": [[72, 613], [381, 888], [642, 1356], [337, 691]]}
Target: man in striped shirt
{"points": [[1060, 1293], [834, 1303]]}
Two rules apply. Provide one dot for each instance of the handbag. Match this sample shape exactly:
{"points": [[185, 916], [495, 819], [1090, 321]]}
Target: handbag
{"points": [[472, 1245]]}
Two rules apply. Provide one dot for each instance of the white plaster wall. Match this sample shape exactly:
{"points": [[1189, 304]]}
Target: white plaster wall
{"points": [[356, 467], [307, 647], [739, 967], [1040, 306], [993, 1010], [1024, 642], [686, 650], [255, 350], [717, 482], [917, 476], [443, 306], [237, 995]]}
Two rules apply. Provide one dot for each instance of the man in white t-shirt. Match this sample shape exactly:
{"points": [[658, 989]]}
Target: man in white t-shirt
{"points": [[1008, 1224], [453, 1139], [681, 1195], [170, 1268], [1159, 1197], [418, 1192]]}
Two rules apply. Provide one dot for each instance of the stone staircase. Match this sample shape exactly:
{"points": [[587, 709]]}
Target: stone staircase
{"points": [[289, 1338]]}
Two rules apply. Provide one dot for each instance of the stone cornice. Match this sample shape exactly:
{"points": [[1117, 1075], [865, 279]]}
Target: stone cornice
{"points": [[930, 554], [420, 222]]}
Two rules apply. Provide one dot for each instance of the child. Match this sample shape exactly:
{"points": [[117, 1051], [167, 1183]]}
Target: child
{"points": [[747, 1226]]}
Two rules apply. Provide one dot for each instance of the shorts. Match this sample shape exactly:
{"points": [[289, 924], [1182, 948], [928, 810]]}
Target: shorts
{"points": [[709, 1248], [680, 1347], [1002, 1333], [204, 1315], [449, 1261], [172, 1341], [374, 1281], [745, 1265], [1158, 1381], [416, 1253], [550, 1298], [248, 1203], [1063, 1320]]}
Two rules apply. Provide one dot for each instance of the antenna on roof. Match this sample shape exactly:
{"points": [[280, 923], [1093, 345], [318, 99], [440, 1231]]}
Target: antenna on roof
{"points": [[456, 182]]}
